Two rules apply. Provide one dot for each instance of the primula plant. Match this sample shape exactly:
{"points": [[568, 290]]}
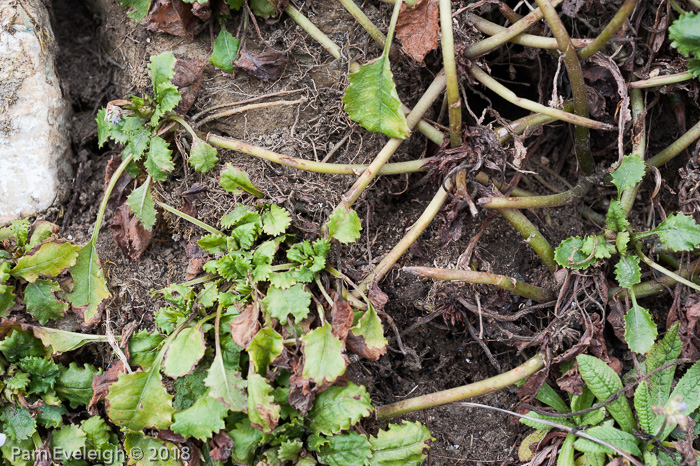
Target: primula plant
{"points": [[685, 34], [638, 427], [676, 233]]}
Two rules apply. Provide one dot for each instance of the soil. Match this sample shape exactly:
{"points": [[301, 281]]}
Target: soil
{"points": [[103, 56]]}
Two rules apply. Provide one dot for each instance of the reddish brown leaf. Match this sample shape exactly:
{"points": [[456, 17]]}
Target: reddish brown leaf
{"points": [[195, 193], [358, 346], [173, 17], [689, 314], [571, 382], [267, 66], [172, 437], [202, 10], [528, 391], [221, 446], [131, 237], [377, 297], [598, 348], [42, 455], [188, 77], [342, 317], [301, 394], [96, 318], [245, 326], [101, 383], [121, 189], [417, 28], [197, 257]]}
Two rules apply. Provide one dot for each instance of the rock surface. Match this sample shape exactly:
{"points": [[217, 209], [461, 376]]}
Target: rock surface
{"points": [[34, 115]]}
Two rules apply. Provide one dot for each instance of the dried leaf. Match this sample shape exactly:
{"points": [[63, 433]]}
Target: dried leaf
{"points": [[202, 10], [188, 77], [173, 17], [121, 189], [221, 446], [267, 66], [197, 257], [571, 382], [418, 28], [342, 318], [245, 326], [689, 315], [130, 235], [195, 193], [101, 383]]}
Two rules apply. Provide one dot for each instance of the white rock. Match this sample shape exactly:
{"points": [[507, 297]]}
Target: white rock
{"points": [[34, 138]]}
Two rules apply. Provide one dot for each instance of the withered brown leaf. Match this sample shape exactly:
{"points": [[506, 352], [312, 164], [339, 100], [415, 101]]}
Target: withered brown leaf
{"points": [[417, 28]]}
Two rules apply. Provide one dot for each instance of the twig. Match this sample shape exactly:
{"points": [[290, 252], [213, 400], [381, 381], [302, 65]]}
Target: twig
{"points": [[190, 219], [639, 138]]}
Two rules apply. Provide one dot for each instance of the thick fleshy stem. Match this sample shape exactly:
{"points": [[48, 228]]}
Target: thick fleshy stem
{"points": [[485, 46], [582, 139], [464, 392], [422, 106], [532, 236], [364, 21], [450, 64], [485, 79], [662, 80], [610, 30], [536, 293], [553, 200], [678, 146], [639, 145], [527, 40], [312, 30]]}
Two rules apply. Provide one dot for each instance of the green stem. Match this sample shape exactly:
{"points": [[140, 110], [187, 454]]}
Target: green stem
{"points": [[532, 236], [513, 285], [364, 21], [486, 45], [313, 31], [521, 125], [678, 146], [485, 79], [432, 93], [464, 392], [108, 191], [656, 286], [664, 270], [185, 125], [392, 28], [527, 40], [408, 239], [638, 145], [553, 200], [448, 61], [323, 291], [190, 219], [662, 80], [582, 139], [352, 299], [610, 30]]}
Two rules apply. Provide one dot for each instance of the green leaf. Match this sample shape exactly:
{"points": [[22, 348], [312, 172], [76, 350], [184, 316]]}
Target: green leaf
{"points": [[97, 432], [20, 344], [629, 173], [213, 243], [204, 418], [162, 70], [339, 408], [184, 352], [688, 389], [344, 225], [69, 439], [349, 449], [226, 385], [640, 329], [616, 218], [148, 451], [138, 9], [622, 440], [143, 348], [50, 260], [538, 425], [372, 101], [685, 34], [642, 405], [548, 396], [225, 51], [246, 234], [603, 382], [264, 348], [42, 303], [569, 254], [275, 221], [75, 384], [61, 341], [203, 156], [19, 424], [694, 67], [281, 303], [42, 230], [246, 440], [401, 445], [664, 351], [627, 271], [369, 341], [159, 162], [263, 8], [139, 400], [89, 285], [323, 355], [50, 416], [18, 382], [597, 247], [141, 204], [190, 387], [263, 413], [235, 180], [678, 232], [566, 452], [44, 373], [289, 450]]}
